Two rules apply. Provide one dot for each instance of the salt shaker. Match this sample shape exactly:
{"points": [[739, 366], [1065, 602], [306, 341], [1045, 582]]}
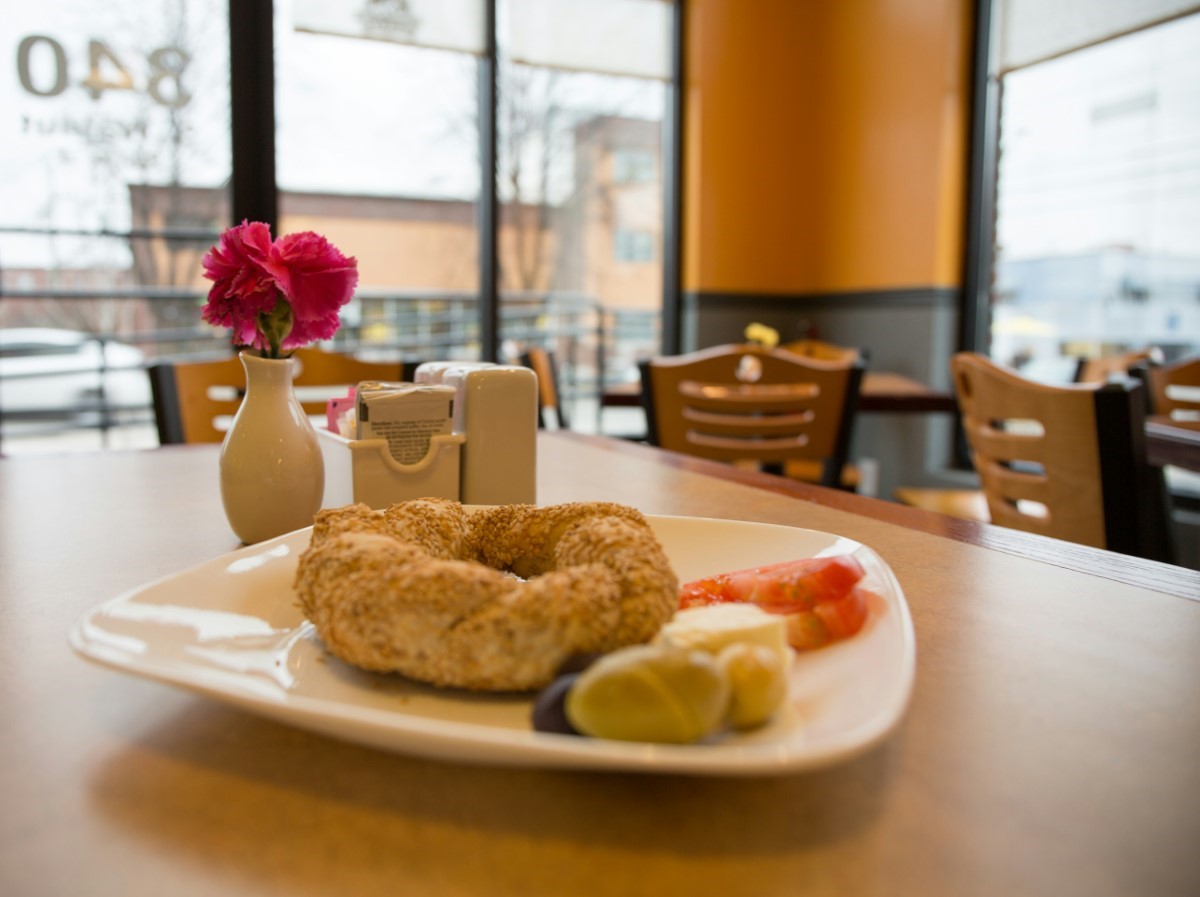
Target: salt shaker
{"points": [[432, 372], [496, 408]]}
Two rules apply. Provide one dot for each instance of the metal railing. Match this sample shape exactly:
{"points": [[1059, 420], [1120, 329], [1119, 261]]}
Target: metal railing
{"points": [[595, 347]]}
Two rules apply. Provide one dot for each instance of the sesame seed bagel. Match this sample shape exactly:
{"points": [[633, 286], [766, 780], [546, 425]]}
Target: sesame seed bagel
{"points": [[490, 599]]}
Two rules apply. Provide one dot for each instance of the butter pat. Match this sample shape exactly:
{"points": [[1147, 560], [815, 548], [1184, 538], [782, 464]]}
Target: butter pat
{"points": [[716, 626]]}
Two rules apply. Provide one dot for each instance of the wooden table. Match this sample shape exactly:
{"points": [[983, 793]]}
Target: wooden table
{"points": [[1169, 443], [1051, 746], [881, 391]]}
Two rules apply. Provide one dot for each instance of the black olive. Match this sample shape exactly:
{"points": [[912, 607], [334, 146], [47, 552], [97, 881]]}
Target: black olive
{"points": [[549, 714], [577, 663]]}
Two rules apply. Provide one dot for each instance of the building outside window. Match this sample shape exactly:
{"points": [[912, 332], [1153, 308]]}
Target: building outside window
{"points": [[634, 166], [117, 169], [114, 153], [583, 90], [1097, 249], [633, 245]]}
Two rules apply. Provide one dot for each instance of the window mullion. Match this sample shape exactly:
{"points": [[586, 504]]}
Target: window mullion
{"points": [[489, 219], [254, 193]]}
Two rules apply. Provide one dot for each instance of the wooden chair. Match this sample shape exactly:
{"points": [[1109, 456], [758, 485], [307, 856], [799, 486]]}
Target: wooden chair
{"points": [[1099, 370], [542, 362], [1064, 461], [193, 401], [971, 504], [746, 404], [819, 349], [1174, 389], [810, 471], [968, 504], [317, 370], [191, 398]]}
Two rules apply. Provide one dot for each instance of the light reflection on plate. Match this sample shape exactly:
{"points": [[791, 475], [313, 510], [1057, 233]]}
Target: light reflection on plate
{"points": [[231, 629]]}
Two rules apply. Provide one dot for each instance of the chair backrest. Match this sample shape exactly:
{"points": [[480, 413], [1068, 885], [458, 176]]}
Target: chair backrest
{"points": [[1098, 370], [317, 368], [815, 348], [747, 403], [193, 399], [1175, 389], [1064, 461], [542, 362]]}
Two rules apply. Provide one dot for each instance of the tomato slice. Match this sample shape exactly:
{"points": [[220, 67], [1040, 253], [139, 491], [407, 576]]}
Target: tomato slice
{"points": [[818, 596], [700, 593], [846, 615], [806, 631], [829, 622], [780, 588]]}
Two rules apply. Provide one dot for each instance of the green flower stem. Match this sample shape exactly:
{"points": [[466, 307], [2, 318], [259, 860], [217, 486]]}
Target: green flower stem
{"points": [[275, 325]]}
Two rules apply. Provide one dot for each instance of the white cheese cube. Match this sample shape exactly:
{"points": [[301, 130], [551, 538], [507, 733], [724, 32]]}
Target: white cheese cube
{"points": [[713, 627]]}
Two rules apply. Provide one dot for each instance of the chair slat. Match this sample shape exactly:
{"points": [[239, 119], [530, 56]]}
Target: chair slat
{"points": [[1009, 446], [1014, 485], [748, 398], [765, 449], [749, 425]]}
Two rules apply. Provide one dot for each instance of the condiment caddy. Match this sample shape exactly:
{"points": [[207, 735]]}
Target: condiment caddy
{"points": [[477, 445]]}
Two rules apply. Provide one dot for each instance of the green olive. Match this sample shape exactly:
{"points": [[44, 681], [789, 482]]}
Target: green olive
{"points": [[657, 693]]}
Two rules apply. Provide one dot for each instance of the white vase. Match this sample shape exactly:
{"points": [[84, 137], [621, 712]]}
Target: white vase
{"points": [[272, 471]]}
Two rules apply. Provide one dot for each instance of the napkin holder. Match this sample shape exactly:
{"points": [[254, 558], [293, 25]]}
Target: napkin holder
{"points": [[490, 457], [363, 470]]}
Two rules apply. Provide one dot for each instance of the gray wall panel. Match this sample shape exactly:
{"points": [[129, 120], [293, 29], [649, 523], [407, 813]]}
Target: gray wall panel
{"points": [[910, 332]]}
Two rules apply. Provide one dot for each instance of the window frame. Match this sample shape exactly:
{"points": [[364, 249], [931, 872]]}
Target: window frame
{"points": [[982, 162], [255, 192], [987, 86]]}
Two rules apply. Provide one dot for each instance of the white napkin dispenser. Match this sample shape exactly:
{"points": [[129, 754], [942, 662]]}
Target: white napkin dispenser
{"points": [[363, 470], [489, 458]]}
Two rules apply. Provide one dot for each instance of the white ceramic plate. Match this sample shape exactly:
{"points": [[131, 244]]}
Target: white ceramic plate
{"points": [[231, 629]]}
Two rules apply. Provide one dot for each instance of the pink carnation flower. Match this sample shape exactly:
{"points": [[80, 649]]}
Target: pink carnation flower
{"points": [[317, 280], [251, 274], [242, 287]]}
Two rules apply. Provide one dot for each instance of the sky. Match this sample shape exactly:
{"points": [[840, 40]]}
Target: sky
{"points": [[355, 116], [68, 154], [1102, 148], [1099, 149]]}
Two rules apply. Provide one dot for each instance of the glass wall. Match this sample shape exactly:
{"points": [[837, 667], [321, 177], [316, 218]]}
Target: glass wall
{"points": [[377, 146], [582, 98], [116, 171], [113, 159], [1098, 204]]}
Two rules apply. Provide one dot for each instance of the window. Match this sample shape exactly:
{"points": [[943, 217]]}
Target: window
{"points": [[396, 182], [1097, 248], [114, 153], [631, 166], [633, 246], [583, 93], [117, 173]]}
